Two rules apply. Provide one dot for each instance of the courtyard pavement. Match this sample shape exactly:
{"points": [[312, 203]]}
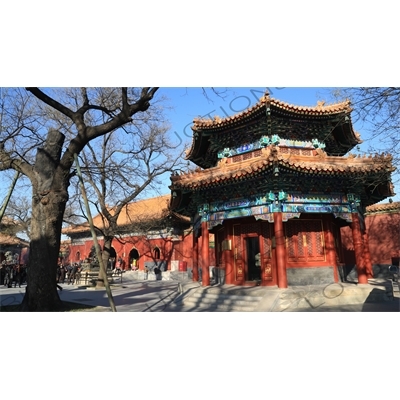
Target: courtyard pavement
{"points": [[158, 296], [139, 296]]}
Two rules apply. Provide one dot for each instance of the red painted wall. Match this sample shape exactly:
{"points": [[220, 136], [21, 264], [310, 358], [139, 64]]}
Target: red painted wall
{"points": [[170, 250], [384, 239], [383, 229]]}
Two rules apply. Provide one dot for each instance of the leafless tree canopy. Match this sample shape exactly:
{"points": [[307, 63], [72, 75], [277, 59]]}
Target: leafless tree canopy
{"points": [[40, 131], [378, 109], [117, 171]]}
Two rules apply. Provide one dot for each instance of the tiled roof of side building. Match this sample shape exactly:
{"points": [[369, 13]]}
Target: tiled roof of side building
{"points": [[148, 209], [9, 240], [384, 208]]}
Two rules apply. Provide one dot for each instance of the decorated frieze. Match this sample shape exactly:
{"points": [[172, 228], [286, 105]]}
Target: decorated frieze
{"points": [[263, 206], [289, 215], [316, 208], [269, 217], [317, 198], [265, 141], [309, 203], [343, 215]]}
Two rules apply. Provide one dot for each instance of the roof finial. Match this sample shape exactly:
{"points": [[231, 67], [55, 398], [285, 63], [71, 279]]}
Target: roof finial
{"points": [[265, 97]]}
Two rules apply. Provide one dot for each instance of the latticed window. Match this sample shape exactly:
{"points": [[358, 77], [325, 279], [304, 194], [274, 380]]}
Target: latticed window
{"points": [[251, 228], [266, 232], [247, 156], [319, 244], [236, 158], [295, 152], [236, 239], [219, 253], [237, 245], [305, 240]]}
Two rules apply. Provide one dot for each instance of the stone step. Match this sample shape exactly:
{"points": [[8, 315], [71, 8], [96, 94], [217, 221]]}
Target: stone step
{"points": [[209, 308], [333, 295], [222, 296], [204, 307], [218, 300], [193, 297]]}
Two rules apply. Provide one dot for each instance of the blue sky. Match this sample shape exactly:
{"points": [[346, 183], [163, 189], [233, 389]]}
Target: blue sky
{"points": [[188, 103]]}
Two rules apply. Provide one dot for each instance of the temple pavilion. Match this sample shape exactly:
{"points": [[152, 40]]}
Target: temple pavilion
{"points": [[272, 187]]}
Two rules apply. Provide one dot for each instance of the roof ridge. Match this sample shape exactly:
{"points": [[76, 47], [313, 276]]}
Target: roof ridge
{"points": [[319, 109]]}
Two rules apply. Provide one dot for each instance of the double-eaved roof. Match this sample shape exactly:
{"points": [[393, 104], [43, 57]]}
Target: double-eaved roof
{"points": [[330, 124], [277, 145], [312, 163]]}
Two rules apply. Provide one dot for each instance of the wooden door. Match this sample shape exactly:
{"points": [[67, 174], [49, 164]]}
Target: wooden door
{"points": [[238, 253], [268, 268]]}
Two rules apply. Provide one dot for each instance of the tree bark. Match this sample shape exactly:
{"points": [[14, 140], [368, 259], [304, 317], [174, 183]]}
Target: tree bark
{"points": [[49, 197], [41, 292], [105, 255]]}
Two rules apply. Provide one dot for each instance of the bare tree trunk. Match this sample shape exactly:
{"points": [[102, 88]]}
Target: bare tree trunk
{"points": [[43, 256], [103, 267], [105, 257], [49, 197]]}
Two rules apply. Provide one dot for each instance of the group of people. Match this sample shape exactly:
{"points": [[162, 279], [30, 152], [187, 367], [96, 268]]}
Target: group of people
{"points": [[119, 264], [70, 274], [12, 274], [134, 265]]}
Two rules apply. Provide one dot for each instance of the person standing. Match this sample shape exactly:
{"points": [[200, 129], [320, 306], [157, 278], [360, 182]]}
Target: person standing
{"points": [[72, 273], [62, 273], [157, 272]]}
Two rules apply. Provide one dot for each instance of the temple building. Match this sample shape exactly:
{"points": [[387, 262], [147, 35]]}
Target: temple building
{"points": [[148, 233], [272, 189]]}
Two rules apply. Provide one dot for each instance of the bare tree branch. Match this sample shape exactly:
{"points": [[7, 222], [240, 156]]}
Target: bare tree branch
{"points": [[51, 102]]}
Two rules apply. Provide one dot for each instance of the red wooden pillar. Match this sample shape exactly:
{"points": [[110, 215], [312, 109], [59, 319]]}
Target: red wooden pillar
{"points": [[195, 257], [280, 250], [367, 256], [331, 250], [358, 249], [205, 256]]}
